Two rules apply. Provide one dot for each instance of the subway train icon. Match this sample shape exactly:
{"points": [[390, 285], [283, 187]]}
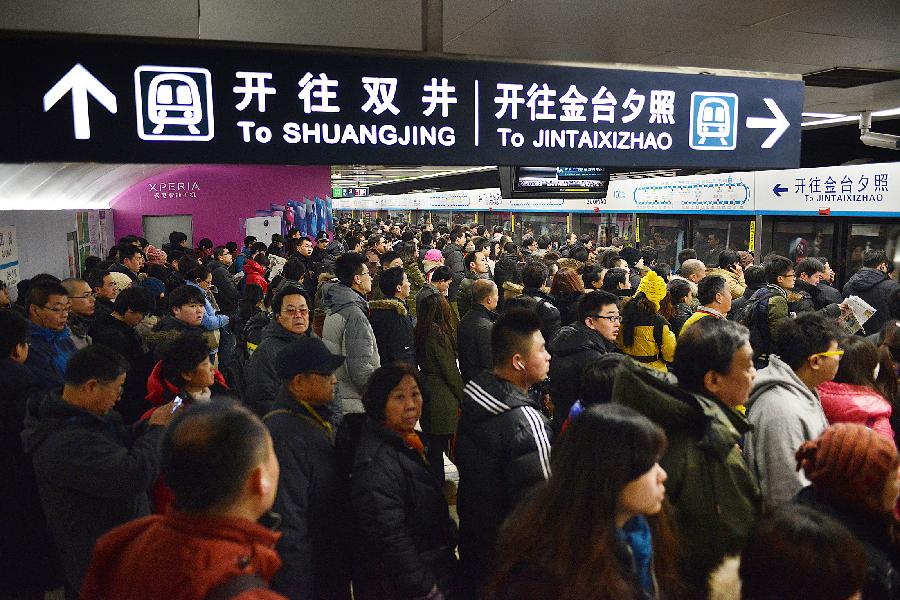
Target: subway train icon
{"points": [[174, 103], [714, 119]]}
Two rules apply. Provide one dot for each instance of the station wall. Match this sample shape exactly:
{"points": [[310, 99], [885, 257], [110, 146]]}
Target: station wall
{"points": [[54, 241], [218, 197]]}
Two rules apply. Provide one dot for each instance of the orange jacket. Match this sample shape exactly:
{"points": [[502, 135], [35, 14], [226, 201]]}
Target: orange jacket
{"points": [[180, 557]]}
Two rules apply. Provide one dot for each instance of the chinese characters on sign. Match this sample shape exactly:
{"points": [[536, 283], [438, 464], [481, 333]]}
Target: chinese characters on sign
{"points": [[284, 105]]}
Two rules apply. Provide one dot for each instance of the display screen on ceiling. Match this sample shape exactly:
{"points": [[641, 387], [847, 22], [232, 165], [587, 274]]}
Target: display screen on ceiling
{"points": [[572, 179]]}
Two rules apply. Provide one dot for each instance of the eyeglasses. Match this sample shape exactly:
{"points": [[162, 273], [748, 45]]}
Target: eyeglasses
{"points": [[295, 311], [82, 297], [58, 309], [612, 318], [837, 353], [790, 275]]}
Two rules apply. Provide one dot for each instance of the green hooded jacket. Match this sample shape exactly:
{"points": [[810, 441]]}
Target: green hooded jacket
{"points": [[715, 496]]}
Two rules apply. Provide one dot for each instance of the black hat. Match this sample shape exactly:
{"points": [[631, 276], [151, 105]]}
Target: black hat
{"points": [[323, 237], [306, 355]]}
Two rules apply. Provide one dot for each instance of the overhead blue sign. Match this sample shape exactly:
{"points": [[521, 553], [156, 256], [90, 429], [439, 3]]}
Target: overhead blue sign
{"points": [[91, 98]]}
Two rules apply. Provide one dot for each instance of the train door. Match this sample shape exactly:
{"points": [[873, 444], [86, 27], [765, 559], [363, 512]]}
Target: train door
{"points": [[667, 234], [606, 227], [538, 224], [799, 237], [710, 235], [862, 235]]}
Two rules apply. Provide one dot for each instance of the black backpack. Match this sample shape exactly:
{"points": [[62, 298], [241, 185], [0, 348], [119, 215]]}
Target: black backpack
{"points": [[754, 315]]}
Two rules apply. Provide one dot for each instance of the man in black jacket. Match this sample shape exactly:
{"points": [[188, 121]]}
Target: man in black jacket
{"points": [[872, 284], [93, 474], [390, 319], [591, 336], [474, 334], [503, 440], [290, 323], [227, 294], [116, 331], [477, 269], [829, 294], [534, 277], [311, 492], [453, 258]]}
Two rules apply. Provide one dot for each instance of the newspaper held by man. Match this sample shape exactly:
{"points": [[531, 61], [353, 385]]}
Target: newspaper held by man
{"points": [[860, 311]]}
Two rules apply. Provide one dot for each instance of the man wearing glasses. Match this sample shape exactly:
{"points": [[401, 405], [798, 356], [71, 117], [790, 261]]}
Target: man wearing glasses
{"points": [[592, 335], [51, 346], [289, 324], [784, 407], [81, 310]]}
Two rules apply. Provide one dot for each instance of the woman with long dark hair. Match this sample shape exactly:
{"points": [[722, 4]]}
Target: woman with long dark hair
{"points": [[644, 334], [435, 342], [567, 289], [596, 529], [854, 395]]}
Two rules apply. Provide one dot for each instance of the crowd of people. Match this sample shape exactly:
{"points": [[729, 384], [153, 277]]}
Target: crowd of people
{"points": [[276, 421]]}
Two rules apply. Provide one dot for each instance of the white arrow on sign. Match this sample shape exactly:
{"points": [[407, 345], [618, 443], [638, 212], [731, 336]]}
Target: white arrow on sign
{"points": [[80, 82], [778, 125]]}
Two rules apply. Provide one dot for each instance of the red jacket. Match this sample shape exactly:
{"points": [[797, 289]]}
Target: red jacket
{"points": [[255, 273], [180, 557], [848, 403], [159, 392]]}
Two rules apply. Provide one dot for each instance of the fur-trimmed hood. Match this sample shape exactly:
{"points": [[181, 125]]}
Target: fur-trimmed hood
{"points": [[389, 304]]}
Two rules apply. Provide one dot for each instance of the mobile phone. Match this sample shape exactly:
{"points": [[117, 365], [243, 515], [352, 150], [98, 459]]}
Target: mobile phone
{"points": [[177, 402]]}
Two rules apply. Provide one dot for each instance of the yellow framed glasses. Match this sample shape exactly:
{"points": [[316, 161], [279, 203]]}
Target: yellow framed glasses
{"points": [[838, 353]]}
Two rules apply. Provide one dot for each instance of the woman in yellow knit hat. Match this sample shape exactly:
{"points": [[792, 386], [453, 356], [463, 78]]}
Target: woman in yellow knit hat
{"points": [[645, 335]]}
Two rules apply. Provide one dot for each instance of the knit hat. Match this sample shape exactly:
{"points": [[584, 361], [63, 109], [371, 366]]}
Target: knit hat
{"points": [[654, 287], [154, 287], [849, 463], [155, 256], [121, 280], [434, 255]]}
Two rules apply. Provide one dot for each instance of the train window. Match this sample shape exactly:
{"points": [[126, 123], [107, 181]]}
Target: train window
{"points": [[798, 239], [666, 234], [712, 235], [867, 236]]}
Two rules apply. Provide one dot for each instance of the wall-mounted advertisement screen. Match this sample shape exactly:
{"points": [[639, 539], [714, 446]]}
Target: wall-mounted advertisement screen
{"points": [[567, 182]]}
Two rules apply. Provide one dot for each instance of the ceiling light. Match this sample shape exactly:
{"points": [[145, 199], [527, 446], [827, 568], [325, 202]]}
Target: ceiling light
{"points": [[823, 115]]}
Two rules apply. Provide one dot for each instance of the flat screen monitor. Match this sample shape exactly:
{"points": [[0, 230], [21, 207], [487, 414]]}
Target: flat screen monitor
{"points": [[547, 182]]}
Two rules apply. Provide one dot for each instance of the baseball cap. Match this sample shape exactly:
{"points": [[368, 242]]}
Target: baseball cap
{"points": [[306, 355]]}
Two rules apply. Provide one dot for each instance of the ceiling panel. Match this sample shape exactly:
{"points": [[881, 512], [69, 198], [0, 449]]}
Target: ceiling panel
{"points": [[779, 46], [386, 24], [160, 18], [868, 19]]}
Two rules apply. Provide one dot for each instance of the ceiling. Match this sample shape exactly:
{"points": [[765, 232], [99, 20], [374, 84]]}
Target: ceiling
{"points": [[773, 36]]}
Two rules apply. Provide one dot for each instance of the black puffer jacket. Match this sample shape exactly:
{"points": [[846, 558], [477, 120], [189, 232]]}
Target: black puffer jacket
{"points": [[453, 258], [92, 473], [827, 295], [263, 383], [547, 311], [574, 347], [683, 312], [502, 452], [312, 503], [27, 556], [474, 341], [876, 288], [393, 329], [227, 295], [406, 538], [567, 303], [882, 556]]}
